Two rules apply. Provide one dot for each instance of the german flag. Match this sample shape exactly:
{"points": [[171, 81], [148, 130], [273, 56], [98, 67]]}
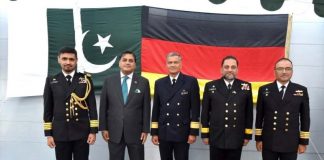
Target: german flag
{"points": [[203, 39]]}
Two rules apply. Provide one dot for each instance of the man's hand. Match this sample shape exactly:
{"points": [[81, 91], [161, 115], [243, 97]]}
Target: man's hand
{"points": [[50, 142], [91, 138], [105, 135], [259, 146], [143, 137], [205, 141], [302, 149], [191, 139], [246, 141], [155, 140]]}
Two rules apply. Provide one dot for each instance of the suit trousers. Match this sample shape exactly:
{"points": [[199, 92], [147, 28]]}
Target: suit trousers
{"points": [[78, 149], [270, 155], [224, 154], [180, 150], [117, 150]]}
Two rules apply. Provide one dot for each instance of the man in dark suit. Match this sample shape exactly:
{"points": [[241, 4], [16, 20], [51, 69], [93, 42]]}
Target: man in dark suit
{"points": [[227, 113], [282, 120], [125, 110], [70, 113], [176, 109]]}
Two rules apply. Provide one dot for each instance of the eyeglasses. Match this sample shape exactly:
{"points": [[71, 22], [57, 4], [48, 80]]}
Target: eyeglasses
{"points": [[281, 69]]}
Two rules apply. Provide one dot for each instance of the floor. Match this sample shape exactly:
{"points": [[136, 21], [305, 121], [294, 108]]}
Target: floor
{"points": [[21, 136]]}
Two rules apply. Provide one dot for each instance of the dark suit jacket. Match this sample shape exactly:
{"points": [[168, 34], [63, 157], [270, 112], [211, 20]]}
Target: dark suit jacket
{"points": [[61, 122], [176, 109], [227, 116], [282, 124], [130, 119]]}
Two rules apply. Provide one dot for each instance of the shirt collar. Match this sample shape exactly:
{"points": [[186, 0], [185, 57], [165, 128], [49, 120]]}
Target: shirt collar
{"points": [[226, 82], [130, 76], [71, 74], [176, 77], [279, 85]]}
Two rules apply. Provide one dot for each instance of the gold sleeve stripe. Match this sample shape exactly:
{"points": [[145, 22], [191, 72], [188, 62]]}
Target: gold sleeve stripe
{"points": [[48, 126], [248, 131], [304, 135], [94, 123], [204, 130], [194, 125], [155, 125], [258, 132]]}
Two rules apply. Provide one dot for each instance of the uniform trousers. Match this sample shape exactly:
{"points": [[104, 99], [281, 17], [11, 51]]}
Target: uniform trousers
{"points": [[78, 149], [271, 155], [224, 154], [179, 150]]}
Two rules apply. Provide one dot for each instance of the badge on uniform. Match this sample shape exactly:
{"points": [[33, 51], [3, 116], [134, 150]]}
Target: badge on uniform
{"points": [[183, 92], [233, 92], [82, 80], [212, 89], [137, 91], [245, 86], [266, 92], [54, 81], [298, 93]]}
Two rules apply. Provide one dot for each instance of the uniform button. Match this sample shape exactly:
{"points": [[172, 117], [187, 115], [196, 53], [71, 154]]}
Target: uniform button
{"points": [[286, 130], [67, 103], [234, 110], [168, 104], [287, 113], [234, 125], [274, 129], [212, 91], [178, 125], [287, 124], [226, 104], [275, 112], [226, 125], [168, 124], [67, 109], [274, 123], [178, 114], [234, 104], [76, 114], [77, 119], [234, 118], [178, 104], [68, 120], [287, 119], [274, 117], [226, 118], [75, 103], [167, 114], [76, 108], [226, 111], [67, 115]]}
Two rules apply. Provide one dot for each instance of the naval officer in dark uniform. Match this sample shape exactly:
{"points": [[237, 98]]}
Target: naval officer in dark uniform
{"points": [[70, 113], [227, 113], [176, 109], [282, 120]]}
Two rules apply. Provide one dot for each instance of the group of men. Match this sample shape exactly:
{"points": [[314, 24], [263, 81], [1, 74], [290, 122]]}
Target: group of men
{"points": [[71, 121]]}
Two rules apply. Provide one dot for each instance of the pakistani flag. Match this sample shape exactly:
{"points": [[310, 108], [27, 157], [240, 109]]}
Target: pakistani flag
{"points": [[99, 36], [203, 39]]}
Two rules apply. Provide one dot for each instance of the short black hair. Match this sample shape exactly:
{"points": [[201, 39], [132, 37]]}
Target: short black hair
{"points": [[68, 50], [229, 57], [127, 52], [283, 59]]}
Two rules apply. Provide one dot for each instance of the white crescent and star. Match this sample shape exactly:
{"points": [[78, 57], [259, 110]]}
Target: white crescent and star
{"points": [[84, 65]]}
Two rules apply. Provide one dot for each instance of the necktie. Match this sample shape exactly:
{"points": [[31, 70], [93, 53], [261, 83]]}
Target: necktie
{"points": [[229, 86], [125, 89], [281, 93], [68, 78], [173, 81]]}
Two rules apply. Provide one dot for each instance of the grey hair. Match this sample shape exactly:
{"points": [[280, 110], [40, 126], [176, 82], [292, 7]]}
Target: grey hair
{"points": [[172, 54]]}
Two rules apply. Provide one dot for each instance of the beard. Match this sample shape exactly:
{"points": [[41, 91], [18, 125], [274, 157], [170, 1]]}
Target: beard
{"points": [[229, 76]]}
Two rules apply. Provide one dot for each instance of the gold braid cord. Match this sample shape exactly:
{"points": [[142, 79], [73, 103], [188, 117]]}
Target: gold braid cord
{"points": [[80, 101]]}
